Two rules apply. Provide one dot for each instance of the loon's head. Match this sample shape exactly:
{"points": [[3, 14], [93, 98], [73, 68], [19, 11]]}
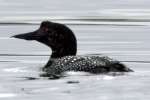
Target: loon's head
{"points": [[57, 36]]}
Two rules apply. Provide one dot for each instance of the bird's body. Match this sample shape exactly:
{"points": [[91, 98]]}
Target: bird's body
{"points": [[93, 64]]}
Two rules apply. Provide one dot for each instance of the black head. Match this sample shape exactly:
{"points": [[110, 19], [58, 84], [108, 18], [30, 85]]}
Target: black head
{"points": [[57, 36]]}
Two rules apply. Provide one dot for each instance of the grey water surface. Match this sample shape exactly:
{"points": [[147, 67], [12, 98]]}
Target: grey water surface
{"points": [[117, 28]]}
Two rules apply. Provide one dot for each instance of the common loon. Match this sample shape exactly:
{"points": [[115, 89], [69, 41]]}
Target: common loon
{"points": [[63, 43]]}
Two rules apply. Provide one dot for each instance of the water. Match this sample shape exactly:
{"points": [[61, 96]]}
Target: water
{"points": [[119, 29]]}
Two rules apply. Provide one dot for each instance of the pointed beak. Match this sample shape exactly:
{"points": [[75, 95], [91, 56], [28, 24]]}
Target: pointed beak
{"points": [[27, 36]]}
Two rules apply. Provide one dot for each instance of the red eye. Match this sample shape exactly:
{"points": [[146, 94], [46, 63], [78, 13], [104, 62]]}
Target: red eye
{"points": [[45, 29]]}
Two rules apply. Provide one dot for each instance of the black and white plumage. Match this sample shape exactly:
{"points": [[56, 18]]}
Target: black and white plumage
{"points": [[63, 43], [92, 64]]}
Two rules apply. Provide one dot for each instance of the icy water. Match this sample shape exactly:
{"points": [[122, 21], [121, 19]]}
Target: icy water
{"points": [[119, 29]]}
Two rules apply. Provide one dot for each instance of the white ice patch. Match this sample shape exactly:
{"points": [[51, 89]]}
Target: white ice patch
{"points": [[108, 77], [74, 73], [7, 95], [15, 70]]}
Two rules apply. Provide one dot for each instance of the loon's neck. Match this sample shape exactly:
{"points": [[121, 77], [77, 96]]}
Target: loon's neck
{"points": [[64, 51]]}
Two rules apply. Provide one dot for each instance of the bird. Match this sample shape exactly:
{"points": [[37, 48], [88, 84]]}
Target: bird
{"points": [[63, 43]]}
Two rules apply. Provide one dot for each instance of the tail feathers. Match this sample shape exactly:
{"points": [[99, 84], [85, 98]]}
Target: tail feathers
{"points": [[119, 67]]}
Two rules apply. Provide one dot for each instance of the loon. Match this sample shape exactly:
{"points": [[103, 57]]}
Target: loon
{"points": [[63, 44]]}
